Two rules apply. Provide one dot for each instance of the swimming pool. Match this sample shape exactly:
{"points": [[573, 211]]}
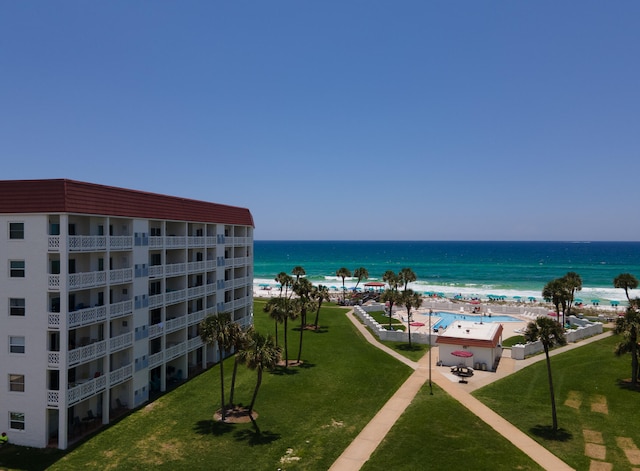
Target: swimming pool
{"points": [[446, 318]]}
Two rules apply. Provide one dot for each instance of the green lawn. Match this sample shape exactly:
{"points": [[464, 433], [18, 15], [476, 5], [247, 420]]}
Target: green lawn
{"points": [[313, 411], [589, 395], [437, 433]]}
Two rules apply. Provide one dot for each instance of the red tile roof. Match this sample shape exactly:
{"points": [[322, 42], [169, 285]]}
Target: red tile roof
{"points": [[69, 196]]}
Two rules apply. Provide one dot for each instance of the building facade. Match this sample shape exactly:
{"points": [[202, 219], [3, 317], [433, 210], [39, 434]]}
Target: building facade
{"points": [[102, 290]]}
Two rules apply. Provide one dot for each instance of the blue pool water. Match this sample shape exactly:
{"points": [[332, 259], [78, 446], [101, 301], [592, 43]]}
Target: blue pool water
{"points": [[446, 318]]}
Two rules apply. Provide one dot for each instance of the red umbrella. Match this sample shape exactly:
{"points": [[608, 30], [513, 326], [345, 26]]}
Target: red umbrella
{"points": [[462, 353]]}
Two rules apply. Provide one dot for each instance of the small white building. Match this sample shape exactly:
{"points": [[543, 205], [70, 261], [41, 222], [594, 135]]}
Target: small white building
{"points": [[481, 343]]}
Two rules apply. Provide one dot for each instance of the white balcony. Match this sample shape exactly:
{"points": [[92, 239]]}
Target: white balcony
{"points": [[86, 243], [173, 297], [120, 375], [156, 300], [84, 389], [120, 242], [123, 275], [156, 271], [87, 353], [156, 359], [196, 241], [175, 350], [195, 317], [86, 316], [120, 342], [175, 242], [156, 330], [175, 269], [120, 309], [196, 291], [196, 266], [90, 279], [53, 359], [53, 320], [194, 343], [174, 324]]}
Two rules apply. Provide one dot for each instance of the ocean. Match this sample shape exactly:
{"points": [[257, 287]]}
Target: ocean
{"points": [[455, 267]]}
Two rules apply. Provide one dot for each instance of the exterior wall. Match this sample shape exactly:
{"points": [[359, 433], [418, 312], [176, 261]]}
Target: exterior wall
{"points": [[101, 340]]}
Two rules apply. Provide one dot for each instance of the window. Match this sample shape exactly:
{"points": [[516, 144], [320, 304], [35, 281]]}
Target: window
{"points": [[16, 383], [16, 420], [16, 307], [16, 344], [16, 230], [17, 269]]}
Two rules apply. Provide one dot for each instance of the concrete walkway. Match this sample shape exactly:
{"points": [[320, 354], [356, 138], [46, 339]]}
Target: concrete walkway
{"points": [[359, 451]]}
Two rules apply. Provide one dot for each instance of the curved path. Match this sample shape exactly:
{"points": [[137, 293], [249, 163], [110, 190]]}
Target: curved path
{"points": [[359, 451]]}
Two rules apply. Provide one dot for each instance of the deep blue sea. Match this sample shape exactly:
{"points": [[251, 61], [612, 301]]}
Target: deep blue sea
{"points": [[454, 267]]}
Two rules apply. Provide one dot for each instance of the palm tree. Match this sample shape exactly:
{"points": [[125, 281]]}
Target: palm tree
{"points": [[319, 294], [276, 308], [215, 330], [343, 273], [410, 299], [407, 276], [550, 333], [282, 307], [626, 281], [390, 295], [285, 281], [573, 283], [301, 305], [629, 327], [261, 353], [360, 274], [556, 292], [238, 338], [298, 271]]}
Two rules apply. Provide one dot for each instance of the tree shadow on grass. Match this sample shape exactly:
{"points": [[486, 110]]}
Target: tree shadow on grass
{"points": [[212, 427], [546, 432], [628, 385], [253, 438], [405, 347]]}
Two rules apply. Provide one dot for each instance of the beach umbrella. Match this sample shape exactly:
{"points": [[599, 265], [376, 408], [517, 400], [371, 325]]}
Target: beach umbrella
{"points": [[531, 298], [595, 302], [614, 303], [577, 301], [335, 288], [462, 353], [517, 298], [263, 285]]}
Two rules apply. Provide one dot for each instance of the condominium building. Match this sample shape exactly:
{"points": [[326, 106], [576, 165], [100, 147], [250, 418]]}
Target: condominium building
{"points": [[102, 290]]}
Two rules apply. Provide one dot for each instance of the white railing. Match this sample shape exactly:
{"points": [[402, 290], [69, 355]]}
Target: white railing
{"points": [[54, 282], [175, 324], [196, 291], [53, 398], [196, 266], [121, 341], [211, 241], [156, 359], [156, 241], [175, 269], [156, 300], [194, 343], [53, 320], [86, 316], [90, 279], [120, 242], [85, 389], [210, 265], [86, 243], [195, 317], [156, 330], [123, 308], [196, 241], [211, 288], [173, 297], [227, 307], [120, 375], [175, 241], [87, 353], [123, 275], [54, 243], [53, 359], [156, 271], [175, 351]]}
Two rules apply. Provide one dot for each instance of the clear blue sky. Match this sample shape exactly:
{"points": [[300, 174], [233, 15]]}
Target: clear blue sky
{"points": [[476, 120]]}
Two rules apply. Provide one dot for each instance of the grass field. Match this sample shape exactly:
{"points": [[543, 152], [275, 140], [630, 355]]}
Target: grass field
{"points": [[307, 415], [591, 397]]}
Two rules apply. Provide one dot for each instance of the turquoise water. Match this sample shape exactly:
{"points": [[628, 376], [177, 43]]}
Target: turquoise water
{"points": [[454, 267], [446, 318]]}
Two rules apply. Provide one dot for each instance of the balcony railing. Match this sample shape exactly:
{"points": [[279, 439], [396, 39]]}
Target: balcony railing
{"points": [[175, 269], [123, 275], [86, 316], [120, 342], [196, 291], [87, 353], [84, 389], [175, 241], [175, 324], [196, 241], [120, 375], [120, 242], [173, 297], [195, 317], [156, 271], [194, 343], [88, 243], [156, 330], [196, 266], [156, 359], [174, 351], [156, 300]]}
